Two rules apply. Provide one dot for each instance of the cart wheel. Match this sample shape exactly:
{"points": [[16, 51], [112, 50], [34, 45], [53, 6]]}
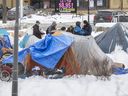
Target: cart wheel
{"points": [[5, 75]]}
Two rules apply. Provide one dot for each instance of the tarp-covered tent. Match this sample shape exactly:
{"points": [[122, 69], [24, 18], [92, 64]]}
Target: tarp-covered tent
{"points": [[4, 40], [77, 54], [115, 36], [46, 52]]}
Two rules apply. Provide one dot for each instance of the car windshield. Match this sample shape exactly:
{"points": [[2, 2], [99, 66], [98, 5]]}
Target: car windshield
{"points": [[105, 12]]}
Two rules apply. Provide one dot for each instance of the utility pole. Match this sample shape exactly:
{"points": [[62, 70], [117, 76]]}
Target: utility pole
{"points": [[88, 11], [15, 54], [121, 2], [4, 15]]}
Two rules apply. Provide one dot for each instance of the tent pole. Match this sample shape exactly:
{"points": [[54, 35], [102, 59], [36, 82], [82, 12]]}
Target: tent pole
{"points": [[15, 54]]}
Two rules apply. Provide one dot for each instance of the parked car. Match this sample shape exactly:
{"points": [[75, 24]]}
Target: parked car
{"points": [[121, 18], [107, 15], [26, 11]]}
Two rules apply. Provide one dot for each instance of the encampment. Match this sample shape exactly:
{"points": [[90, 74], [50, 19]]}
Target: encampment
{"points": [[76, 54]]}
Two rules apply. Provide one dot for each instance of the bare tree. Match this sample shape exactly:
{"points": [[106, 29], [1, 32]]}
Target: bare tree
{"points": [[4, 17]]}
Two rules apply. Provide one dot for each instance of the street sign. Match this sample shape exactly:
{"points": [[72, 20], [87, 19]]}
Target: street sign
{"points": [[66, 6]]}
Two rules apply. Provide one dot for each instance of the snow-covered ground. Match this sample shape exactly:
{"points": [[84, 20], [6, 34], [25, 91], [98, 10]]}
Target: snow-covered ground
{"points": [[69, 86], [117, 85], [62, 20]]}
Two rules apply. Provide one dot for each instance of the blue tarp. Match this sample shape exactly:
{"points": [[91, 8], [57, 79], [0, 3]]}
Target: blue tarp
{"points": [[4, 42], [119, 71], [21, 56], [47, 52], [7, 43], [22, 44], [3, 32]]}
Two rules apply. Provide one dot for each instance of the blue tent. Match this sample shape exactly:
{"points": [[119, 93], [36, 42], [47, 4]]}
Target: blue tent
{"points": [[4, 40], [22, 43], [3, 32], [47, 52]]}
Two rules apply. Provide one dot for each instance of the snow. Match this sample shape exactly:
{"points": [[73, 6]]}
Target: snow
{"points": [[118, 55], [69, 86], [58, 18], [77, 85], [62, 19], [105, 24]]}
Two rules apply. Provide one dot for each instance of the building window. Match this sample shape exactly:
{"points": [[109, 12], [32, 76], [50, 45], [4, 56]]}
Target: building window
{"points": [[101, 4]]}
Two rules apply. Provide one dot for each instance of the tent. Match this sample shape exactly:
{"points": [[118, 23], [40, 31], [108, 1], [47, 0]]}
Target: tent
{"points": [[115, 36], [77, 54], [4, 41], [3, 32]]}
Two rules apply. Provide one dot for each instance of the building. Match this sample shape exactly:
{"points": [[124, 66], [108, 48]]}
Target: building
{"points": [[118, 4], [82, 4], [12, 3]]}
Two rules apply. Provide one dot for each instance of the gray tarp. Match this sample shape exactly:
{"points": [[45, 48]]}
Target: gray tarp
{"points": [[91, 58], [115, 36]]}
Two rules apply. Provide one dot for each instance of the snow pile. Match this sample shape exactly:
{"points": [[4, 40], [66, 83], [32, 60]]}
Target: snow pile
{"points": [[62, 19], [119, 56], [69, 86]]}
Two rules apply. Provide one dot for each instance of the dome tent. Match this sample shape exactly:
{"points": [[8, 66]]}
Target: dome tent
{"points": [[115, 36]]}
